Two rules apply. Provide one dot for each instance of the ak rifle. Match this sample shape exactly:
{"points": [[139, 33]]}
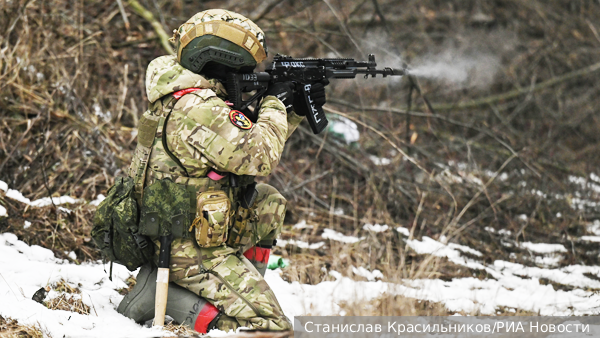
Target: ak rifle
{"points": [[303, 73]]}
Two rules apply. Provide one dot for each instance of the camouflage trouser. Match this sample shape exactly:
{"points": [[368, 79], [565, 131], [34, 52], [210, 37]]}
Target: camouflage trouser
{"points": [[227, 279]]}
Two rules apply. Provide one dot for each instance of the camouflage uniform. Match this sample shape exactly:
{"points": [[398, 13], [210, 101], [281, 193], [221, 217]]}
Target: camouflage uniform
{"points": [[201, 136]]}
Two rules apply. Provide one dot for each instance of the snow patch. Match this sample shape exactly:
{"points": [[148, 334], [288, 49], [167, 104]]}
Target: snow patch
{"points": [[98, 200], [543, 248], [594, 227], [25, 269], [346, 128], [46, 201], [369, 275], [337, 236], [403, 231], [300, 244], [302, 225], [375, 227], [17, 196], [379, 161]]}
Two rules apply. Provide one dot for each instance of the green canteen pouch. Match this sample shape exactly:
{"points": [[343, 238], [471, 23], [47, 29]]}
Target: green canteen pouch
{"points": [[211, 224]]}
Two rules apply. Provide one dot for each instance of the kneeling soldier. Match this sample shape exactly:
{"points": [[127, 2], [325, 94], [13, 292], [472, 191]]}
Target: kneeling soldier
{"points": [[197, 155]]}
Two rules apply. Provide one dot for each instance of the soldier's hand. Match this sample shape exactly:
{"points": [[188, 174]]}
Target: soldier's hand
{"points": [[317, 95], [284, 92]]}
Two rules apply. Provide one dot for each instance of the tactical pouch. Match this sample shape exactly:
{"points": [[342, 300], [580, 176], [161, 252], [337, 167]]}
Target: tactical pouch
{"points": [[211, 224], [242, 230], [115, 227], [166, 209]]}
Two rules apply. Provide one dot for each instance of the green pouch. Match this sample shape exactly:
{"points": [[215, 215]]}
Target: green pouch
{"points": [[115, 227], [166, 209]]}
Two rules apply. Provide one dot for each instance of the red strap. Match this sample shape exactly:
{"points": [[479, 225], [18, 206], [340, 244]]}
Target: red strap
{"points": [[180, 93], [258, 254], [206, 315]]}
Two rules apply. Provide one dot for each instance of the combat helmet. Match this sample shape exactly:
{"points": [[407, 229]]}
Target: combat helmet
{"points": [[220, 36]]}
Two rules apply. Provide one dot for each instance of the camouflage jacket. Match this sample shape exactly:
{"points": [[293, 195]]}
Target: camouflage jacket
{"points": [[200, 131]]}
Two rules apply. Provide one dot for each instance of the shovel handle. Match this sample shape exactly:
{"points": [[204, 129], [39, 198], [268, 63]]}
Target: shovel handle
{"points": [[162, 292], [162, 280]]}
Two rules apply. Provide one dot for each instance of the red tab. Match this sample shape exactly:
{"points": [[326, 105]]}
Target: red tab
{"points": [[180, 93], [206, 315], [258, 254], [213, 175]]}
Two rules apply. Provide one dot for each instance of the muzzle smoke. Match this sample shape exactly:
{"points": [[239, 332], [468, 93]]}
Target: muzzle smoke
{"points": [[476, 69]]}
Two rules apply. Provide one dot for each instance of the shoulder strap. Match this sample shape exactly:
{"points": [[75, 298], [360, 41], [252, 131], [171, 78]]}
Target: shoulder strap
{"points": [[166, 147], [146, 132]]}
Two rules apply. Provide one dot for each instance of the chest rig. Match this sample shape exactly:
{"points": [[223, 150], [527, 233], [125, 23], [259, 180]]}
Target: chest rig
{"points": [[168, 200]]}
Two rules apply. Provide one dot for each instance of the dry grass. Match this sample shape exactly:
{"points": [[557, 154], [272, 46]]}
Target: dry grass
{"points": [[69, 299], [12, 329], [180, 330], [394, 306], [130, 284]]}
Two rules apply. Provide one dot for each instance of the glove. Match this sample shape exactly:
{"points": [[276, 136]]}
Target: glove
{"points": [[317, 94], [284, 92]]}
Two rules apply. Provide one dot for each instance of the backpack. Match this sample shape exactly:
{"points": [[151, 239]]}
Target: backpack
{"points": [[115, 227]]}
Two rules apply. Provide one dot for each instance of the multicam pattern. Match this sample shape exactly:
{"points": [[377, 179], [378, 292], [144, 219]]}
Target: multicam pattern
{"points": [[238, 290], [200, 134], [223, 15], [194, 268]]}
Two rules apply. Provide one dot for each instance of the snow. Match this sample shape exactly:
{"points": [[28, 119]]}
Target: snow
{"points": [[302, 225], [403, 231], [26, 225], [542, 247], [375, 227], [346, 128], [44, 202], [17, 196], [300, 244], [369, 275], [25, 269], [379, 160], [39, 203], [98, 200], [590, 238], [3, 211], [594, 227], [337, 236]]}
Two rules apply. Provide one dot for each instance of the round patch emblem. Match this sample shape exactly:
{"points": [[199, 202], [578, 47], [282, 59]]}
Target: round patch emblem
{"points": [[240, 120]]}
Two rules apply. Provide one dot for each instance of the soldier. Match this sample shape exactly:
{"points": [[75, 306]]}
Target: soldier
{"points": [[190, 135]]}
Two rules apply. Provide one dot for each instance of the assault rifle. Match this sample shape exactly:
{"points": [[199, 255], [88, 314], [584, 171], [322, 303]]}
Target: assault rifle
{"points": [[303, 73]]}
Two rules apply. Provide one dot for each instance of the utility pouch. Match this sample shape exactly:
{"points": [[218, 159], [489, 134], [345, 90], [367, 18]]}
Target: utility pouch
{"points": [[242, 230], [211, 224], [115, 229], [166, 209]]}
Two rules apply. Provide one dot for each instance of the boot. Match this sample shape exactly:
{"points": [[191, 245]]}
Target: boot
{"points": [[184, 306]]}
